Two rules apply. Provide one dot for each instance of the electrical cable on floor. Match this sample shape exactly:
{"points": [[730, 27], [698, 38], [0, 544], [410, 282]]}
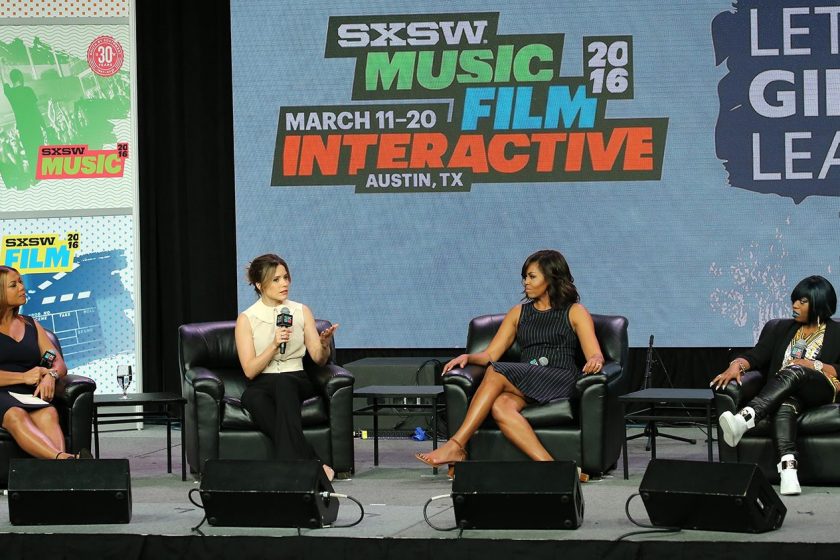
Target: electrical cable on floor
{"points": [[327, 495], [197, 528], [426, 517], [650, 529]]}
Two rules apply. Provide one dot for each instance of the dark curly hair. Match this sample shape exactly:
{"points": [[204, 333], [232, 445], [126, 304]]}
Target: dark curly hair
{"points": [[561, 284], [261, 269], [822, 299]]}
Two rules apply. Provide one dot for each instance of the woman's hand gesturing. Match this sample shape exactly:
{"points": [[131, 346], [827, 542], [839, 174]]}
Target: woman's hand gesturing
{"points": [[327, 334]]}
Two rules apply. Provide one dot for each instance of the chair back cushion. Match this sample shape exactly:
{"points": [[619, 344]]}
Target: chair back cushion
{"points": [[611, 331], [210, 345], [481, 332]]}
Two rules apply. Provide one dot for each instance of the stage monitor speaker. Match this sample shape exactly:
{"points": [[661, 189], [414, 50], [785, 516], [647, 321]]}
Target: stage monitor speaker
{"points": [[69, 492], [710, 496], [517, 495], [267, 494]]}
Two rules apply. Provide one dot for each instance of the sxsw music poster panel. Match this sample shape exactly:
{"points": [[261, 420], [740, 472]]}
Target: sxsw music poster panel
{"points": [[65, 117], [66, 135], [512, 112]]}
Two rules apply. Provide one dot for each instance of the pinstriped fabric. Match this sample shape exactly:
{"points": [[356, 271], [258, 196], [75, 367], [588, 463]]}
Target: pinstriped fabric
{"points": [[548, 370]]}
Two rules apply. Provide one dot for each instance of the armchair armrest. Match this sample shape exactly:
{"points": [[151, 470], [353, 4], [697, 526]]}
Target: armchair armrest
{"points": [[608, 374], [329, 378], [733, 395], [205, 381], [467, 378], [71, 387]]}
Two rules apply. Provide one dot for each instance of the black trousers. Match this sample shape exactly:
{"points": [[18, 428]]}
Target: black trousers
{"points": [[273, 400], [785, 396]]}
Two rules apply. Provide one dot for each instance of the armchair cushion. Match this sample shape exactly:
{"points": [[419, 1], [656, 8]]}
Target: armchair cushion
{"points": [[555, 413]]}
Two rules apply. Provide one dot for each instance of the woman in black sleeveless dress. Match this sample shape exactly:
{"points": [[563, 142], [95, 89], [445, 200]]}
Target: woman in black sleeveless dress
{"points": [[548, 327], [34, 427]]}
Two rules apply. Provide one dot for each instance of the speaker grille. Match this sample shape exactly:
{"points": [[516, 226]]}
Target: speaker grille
{"points": [[517, 495]]}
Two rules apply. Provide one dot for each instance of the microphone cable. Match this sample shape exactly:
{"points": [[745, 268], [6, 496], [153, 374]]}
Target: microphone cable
{"points": [[197, 528], [426, 517], [649, 529], [327, 495]]}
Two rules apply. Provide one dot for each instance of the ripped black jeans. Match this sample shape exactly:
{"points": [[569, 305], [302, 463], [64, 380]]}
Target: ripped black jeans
{"points": [[785, 396]]}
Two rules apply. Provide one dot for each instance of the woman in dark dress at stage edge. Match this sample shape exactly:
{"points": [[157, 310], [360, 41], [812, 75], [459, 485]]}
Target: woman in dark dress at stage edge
{"points": [[34, 427], [272, 358], [802, 357], [548, 326]]}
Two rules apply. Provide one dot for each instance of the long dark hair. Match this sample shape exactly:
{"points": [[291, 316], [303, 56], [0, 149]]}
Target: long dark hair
{"points": [[561, 284], [822, 299], [261, 269]]}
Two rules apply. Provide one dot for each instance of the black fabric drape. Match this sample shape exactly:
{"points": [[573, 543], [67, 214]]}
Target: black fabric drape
{"points": [[187, 218]]}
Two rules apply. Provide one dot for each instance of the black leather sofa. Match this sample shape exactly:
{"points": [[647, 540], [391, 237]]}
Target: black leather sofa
{"points": [[818, 437], [74, 403], [216, 425], [587, 429]]}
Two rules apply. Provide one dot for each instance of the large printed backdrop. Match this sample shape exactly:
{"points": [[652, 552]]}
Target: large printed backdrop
{"points": [[683, 156]]}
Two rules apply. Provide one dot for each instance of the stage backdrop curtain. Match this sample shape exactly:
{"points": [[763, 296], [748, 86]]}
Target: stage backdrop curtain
{"points": [[187, 221]]}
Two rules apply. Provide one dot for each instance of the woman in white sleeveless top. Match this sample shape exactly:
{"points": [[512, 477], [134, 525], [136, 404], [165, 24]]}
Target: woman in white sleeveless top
{"points": [[272, 358]]}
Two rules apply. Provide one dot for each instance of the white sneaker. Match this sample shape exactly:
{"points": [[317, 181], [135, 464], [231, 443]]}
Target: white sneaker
{"points": [[734, 426], [789, 480]]}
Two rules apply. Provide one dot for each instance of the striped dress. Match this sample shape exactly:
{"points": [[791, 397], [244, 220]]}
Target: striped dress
{"points": [[547, 370]]}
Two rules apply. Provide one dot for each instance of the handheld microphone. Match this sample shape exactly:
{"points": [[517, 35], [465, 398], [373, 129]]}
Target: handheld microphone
{"points": [[797, 351], [284, 319], [47, 359]]}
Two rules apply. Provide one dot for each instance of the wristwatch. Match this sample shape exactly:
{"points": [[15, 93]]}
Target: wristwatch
{"points": [[818, 365], [54, 374]]}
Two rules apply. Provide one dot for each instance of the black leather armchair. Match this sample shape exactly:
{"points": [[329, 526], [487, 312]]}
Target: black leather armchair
{"points": [[74, 402], [587, 429], [217, 427], [818, 437]]}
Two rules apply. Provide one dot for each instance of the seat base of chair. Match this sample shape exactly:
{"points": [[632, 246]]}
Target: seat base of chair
{"points": [[819, 458], [256, 446], [564, 444]]}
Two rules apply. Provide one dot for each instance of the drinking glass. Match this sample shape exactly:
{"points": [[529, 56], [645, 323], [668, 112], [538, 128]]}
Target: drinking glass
{"points": [[124, 377]]}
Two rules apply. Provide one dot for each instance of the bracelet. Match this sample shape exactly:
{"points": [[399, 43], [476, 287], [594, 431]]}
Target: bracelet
{"points": [[740, 364], [54, 374]]}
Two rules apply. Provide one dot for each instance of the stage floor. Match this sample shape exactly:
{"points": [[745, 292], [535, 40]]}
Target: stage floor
{"points": [[393, 495]]}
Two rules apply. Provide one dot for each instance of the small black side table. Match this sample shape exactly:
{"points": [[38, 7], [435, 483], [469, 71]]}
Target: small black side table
{"points": [[667, 405], [426, 399], [169, 407]]}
